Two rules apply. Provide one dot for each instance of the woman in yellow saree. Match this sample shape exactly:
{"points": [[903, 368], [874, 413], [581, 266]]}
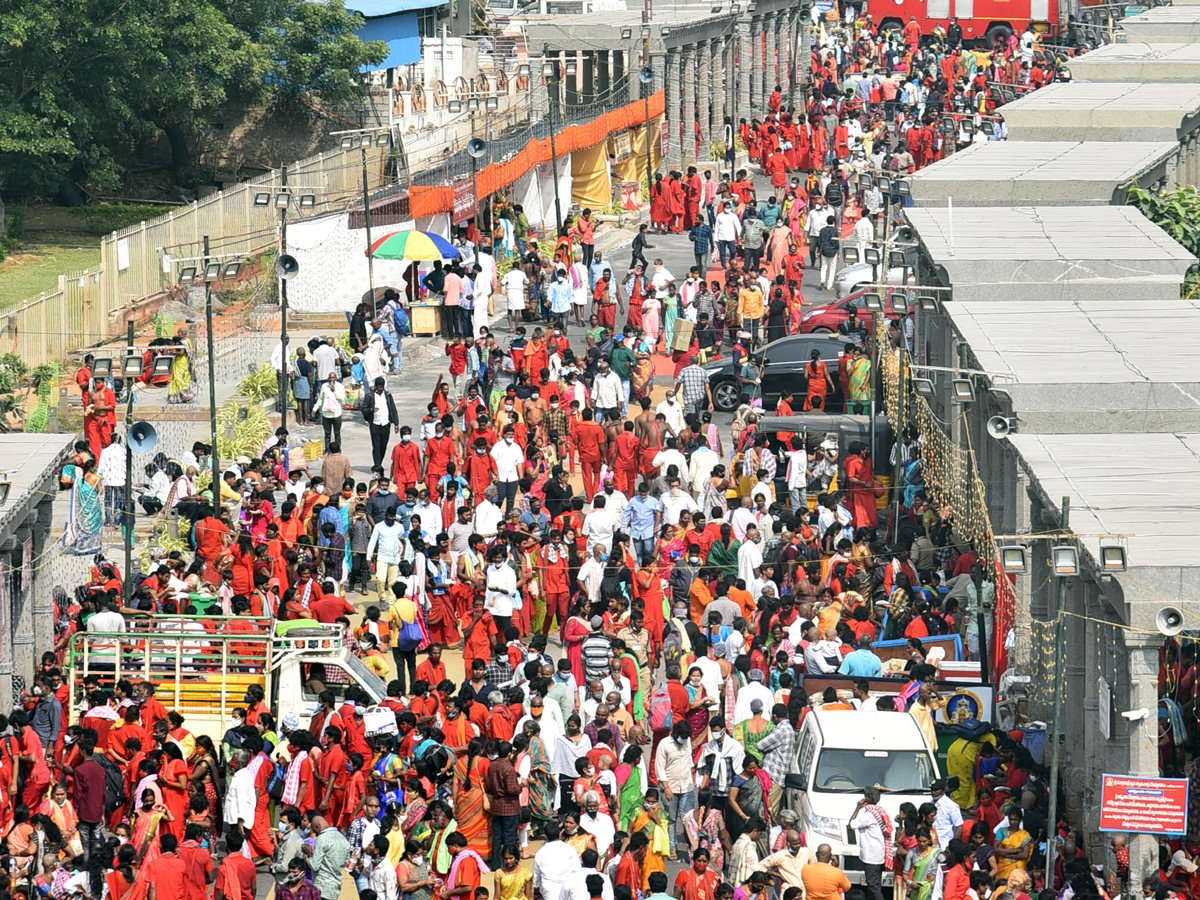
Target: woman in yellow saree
{"points": [[651, 822]]}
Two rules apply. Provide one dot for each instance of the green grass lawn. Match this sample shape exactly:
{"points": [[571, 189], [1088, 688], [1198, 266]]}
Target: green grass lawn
{"points": [[42, 256]]}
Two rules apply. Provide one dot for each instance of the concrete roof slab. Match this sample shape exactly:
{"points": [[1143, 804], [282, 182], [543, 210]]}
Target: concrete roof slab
{"points": [[1138, 62], [1105, 111], [1164, 24], [1012, 173], [1159, 508]]}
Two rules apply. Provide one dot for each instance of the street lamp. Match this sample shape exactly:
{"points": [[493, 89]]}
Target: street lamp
{"points": [[550, 71], [646, 77], [477, 149], [364, 138]]}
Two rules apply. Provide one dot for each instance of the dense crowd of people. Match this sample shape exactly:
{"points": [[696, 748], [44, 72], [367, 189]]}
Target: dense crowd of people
{"points": [[634, 644]]}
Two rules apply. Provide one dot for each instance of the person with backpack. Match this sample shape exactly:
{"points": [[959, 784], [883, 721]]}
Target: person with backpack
{"points": [[91, 796], [828, 244]]}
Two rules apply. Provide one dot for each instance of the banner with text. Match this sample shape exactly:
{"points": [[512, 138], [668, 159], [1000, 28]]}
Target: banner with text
{"points": [[1151, 805]]}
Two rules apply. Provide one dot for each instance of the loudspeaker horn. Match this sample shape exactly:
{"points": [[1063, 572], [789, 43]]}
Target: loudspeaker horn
{"points": [[1169, 620], [476, 147], [1001, 426], [287, 267], [142, 437]]}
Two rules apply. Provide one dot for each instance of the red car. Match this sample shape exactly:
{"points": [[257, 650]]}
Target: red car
{"points": [[826, 319]]}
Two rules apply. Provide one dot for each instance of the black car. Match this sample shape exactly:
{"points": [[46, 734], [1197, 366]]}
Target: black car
{"points": [[786, 359]]}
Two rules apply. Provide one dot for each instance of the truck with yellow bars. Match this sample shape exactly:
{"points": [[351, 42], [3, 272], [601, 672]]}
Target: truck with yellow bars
{"points": [[201, 666]]}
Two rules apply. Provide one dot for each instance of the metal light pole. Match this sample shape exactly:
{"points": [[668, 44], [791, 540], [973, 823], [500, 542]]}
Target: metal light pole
{"points": [[550, 71], [1060, 651], [127, 530], [283, 307], [646, 77], [212, 377]]}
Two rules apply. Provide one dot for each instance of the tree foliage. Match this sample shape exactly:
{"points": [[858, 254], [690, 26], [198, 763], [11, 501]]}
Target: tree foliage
{"points": [[1177, 212], [82, 82]]}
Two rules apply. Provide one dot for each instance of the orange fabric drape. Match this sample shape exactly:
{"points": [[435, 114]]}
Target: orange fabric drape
{"points": [[430, 200]]}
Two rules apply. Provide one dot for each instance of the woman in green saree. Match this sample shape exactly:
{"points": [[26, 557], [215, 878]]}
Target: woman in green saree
{"points": [[629, 780], [920, 868], [85, 518], [723, 554]]}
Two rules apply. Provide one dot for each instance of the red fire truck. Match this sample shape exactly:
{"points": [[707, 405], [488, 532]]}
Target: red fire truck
{"points": [[983, 21]]}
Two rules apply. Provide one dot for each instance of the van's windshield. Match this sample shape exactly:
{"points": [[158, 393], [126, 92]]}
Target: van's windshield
{"points": [[846, 771], [367, 677]]}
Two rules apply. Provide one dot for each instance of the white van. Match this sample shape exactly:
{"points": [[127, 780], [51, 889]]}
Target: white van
{"points": [[840, 752]]}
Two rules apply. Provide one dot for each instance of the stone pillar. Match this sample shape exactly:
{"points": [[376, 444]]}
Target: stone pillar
{"points": [[589, 76], [786, 49], [753, 61], [804, 69], [571, 82], [603, 79], [739, 65], [717, 67], [688, 141], [672, 105], [704, 97], [774, 55], [1143, 740]]}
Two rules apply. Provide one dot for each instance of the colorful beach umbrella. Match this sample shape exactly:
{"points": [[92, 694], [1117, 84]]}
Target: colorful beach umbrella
{"points": [[413, 245]]}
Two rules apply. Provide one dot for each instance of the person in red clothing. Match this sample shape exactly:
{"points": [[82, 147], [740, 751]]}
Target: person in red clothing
{"points": [[629, 869], [776, 168], [167, 874], [692, 191], [554, 559], [956, 870], [432, 670], [332, 774], [479, 633], [199, 862], [911, 33], [211, 537], [327, 609], [697, 882], [406, 461], [236, 876], [457, 351], [308, 589], [625, 459], [675, 202], [590, 441], [439, 450], [151, 709], [480, 469]]}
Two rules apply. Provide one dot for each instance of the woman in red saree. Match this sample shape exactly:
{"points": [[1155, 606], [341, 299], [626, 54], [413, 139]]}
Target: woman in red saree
{"points": [[146, 822], [173, 780], [120, 878], [474, 821], [660, 205], [648, 586], [819, 381], [578, 628]]}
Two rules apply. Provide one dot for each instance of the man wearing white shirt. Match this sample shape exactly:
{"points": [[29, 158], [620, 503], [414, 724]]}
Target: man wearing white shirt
{"points": [[555, 863], [672, 409], [710, 672], [607, 391], [867, 821], [514, 295], [431, 514], [488, 514], [325, 358], [509, 458], [614, 500], [753, 690], [501, 597], [675, 501], [726, 231], [661, 279], [669, 456], [599, 525], [485, 284], [700, 468], [750, 556]]}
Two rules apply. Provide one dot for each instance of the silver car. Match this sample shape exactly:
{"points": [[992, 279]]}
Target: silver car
{"points": [[853, 277]]}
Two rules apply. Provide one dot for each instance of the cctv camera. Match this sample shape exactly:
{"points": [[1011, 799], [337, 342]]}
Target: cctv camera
{"points": [[1136, 715]]}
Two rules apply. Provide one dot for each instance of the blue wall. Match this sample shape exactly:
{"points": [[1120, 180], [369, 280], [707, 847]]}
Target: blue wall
{"points": [[400, 31]]}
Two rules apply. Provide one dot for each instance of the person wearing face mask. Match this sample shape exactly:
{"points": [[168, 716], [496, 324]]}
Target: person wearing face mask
{"points": [[509, 459], [697, 882], [789, 862], [288, 846], [720, 761], [673, 769], [560, 298], [649, 819]]}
